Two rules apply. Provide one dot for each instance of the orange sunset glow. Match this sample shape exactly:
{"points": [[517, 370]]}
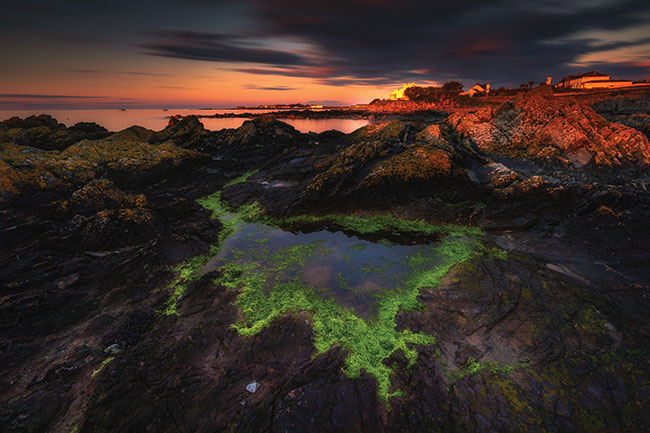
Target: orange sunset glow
{"points": [[224, 55]]}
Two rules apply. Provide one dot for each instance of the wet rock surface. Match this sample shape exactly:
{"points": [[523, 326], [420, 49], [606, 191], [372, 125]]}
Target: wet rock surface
{"points": [[544, 329]]}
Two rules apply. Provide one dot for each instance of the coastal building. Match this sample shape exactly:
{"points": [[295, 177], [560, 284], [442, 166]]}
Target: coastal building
{"points": [[579, 81], [478, 89], [595, 80], [398, 94]]}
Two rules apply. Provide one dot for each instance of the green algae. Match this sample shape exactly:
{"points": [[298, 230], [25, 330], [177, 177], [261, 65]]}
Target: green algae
{"points": [[190, 270], [367, 343], [493, 252], [591, 321], [382, 223], [473, 366], [102, 365], [528, 397], [186, 273], [358, 247], [241, 179], [343, 282], [590, 421]]}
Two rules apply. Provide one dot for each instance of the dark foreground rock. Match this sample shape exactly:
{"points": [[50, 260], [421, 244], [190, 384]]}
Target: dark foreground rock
{"points": [[546, 330]]}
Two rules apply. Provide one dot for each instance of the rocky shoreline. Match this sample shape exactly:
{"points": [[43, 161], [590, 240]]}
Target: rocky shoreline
{"points": [[112, 321], [431, 115]]}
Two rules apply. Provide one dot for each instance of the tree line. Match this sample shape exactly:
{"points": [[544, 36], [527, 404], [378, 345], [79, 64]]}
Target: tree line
{"points": [[449, 90]]}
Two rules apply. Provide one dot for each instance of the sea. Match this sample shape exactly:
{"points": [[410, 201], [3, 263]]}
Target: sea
{"points": [[157, 119]]}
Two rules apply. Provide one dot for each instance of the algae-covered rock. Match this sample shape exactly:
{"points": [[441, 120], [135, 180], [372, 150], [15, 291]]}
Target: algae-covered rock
{"points": [[133, 133], [46, 133], [103, 217], [29, 170], [416, 164], [384, 161], [187, 132], [582, 393]]}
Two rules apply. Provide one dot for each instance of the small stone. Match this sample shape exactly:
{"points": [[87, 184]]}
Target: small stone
{"points": [[252, 387], [113, 349]]}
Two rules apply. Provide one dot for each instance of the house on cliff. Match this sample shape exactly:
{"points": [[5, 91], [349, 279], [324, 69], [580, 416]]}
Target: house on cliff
{"points": [[595, 80], [478, 89], [579, 81]]}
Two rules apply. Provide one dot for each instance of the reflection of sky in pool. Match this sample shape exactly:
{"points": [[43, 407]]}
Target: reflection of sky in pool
{"points": [[333, 264]]}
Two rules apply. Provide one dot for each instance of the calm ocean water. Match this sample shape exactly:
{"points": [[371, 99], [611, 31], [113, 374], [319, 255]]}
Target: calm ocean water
{"points": [[116, 120]]}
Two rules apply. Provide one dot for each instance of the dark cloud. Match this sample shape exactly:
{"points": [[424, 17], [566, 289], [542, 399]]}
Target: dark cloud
{"points": [[97, 71], [31, 7], [217, 48], [39, 107], [501, 40], [342, 42], [275, 88], [37, 96], [386, 41]]}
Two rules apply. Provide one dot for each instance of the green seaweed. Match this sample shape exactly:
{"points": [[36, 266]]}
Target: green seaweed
{"points": [[190, 270], [241, 179], [381, 223], [102, 365], [367, 343], [343, 282], [358, 247], [473, 366]]}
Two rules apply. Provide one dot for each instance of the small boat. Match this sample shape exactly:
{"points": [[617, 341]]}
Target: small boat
{"points": [[165, 109], [122, 109]]}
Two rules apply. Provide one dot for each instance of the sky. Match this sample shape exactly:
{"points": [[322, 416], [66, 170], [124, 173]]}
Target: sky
{"points": [[203, 53]]}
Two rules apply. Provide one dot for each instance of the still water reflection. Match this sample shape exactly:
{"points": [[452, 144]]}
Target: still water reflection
{"points": [[354, 271]]}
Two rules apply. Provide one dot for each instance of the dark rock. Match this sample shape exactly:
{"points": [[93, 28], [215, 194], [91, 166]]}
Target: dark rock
{"points": [[544, 329], [177, 250], [187, 132], [345, 405], [133, 133]]}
